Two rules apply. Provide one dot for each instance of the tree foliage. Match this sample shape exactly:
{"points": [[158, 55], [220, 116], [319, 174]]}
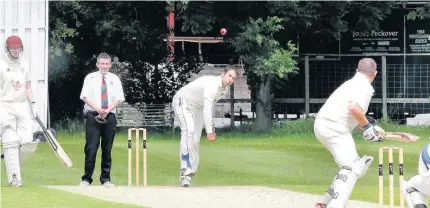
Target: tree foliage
{"points": [[420, 13], [267, 50], [133, 33], [264, 59]]}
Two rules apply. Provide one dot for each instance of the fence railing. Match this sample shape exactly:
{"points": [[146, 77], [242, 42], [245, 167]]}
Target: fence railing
{"points": [[145, 115]]}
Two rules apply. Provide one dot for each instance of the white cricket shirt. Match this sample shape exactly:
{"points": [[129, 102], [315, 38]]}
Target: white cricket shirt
{"points": [[92, 89], [13, 76], [204, 87], [358, 90]]}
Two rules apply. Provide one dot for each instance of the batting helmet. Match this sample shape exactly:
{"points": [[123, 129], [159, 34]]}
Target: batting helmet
{"points": [[14, 41]]}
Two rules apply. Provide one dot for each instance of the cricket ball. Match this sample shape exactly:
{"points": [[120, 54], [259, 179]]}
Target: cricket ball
{"points": [[223, 31]]}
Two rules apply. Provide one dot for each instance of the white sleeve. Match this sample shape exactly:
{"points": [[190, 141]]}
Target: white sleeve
{"points": [[1, 71], [84, 91], [120, 92], [362, 99], [207, 115], [27, 73], [209, 96]]}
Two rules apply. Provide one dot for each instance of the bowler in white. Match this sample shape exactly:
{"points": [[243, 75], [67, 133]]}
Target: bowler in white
{"points": [[193, 106]]}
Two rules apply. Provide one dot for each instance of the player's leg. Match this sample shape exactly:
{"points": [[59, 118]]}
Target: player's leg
{"points": [[416, 189], [10, 141], [194, 146], [11, 156], [108, 131], [352, 168], [92, 142], [195, 142], [186, 123]]}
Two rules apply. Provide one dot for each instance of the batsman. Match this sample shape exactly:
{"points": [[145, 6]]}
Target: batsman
{"points": [[418, 187], [193, 106], [343, 111], [17, 106]]}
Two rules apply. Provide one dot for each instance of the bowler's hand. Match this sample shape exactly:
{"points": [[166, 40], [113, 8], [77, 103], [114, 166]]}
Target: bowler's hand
{"points": [[211, 136]]}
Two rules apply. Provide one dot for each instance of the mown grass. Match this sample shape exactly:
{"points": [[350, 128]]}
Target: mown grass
{"points": [[288, 158]]}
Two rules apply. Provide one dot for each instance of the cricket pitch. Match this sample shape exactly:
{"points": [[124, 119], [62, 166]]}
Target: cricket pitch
{"points": [[207, 197]]}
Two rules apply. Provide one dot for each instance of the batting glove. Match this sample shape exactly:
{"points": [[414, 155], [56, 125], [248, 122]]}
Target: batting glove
{"points": [[35, 110], [373, 133]]}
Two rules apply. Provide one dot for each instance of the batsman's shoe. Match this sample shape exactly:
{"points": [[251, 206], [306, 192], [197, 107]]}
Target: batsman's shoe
{"points": [[186, 181], [15, 182], [187, 172]]}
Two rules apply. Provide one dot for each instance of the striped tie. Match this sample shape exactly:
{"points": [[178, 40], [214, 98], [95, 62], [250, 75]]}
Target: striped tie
{"points": [[104, 94]]}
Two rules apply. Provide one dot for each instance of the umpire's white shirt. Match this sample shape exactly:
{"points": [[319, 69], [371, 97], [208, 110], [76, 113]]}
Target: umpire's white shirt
{"points": [[358, 90], [92, 89]]}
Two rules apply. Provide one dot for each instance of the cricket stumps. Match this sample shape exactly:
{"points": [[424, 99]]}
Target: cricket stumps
{"points": [[139, 138], [390, 175]]}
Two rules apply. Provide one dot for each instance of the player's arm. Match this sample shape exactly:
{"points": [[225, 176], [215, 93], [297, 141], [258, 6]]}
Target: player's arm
{"points": [[358, 114], [28, 90], [208, 106], [370, 132]]}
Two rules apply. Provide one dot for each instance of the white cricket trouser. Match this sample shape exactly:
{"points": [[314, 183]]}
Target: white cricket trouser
{"points": [[16, 134], [422, 181], [340, 143], [191, 123], [17, 116]]}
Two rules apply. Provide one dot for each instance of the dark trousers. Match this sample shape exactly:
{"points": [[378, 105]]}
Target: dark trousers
{"points": [[93, 132]]}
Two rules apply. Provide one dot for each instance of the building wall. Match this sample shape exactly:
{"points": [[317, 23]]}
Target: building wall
{"points": [[29, 20]]}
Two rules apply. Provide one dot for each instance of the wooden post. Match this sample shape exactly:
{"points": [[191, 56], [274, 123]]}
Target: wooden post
{"points": [[307, 100], [232, 105], [384, 87]]}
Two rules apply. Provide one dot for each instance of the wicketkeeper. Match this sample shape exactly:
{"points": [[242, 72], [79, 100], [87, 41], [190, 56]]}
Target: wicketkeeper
{"points": [[418, 187], [193, 106], [17, 107], [344, 110]]}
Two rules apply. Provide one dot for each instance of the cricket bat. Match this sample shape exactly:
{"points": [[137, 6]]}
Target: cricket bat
{"points": [[59, 151], [401, 136]]}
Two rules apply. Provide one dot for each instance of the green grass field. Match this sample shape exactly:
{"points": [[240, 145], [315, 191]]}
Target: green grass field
{"points": [[288, 158]]}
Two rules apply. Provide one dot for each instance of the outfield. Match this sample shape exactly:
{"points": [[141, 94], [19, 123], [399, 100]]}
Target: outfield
{"points": [[288, 158]]}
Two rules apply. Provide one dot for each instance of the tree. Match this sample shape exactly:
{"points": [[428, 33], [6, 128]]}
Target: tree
{"points": [[305, 17], [265, 59], [422, 12], [133, 33]]}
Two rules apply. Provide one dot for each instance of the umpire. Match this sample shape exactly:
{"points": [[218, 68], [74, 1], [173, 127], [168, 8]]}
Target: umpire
{"points": [[102, 92]]}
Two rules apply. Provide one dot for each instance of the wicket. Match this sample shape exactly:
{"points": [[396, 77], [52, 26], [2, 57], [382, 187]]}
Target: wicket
{"points": [[138, 138], [390, 176]]}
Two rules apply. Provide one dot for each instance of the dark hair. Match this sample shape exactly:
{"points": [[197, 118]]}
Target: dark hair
{"points": [[229, 68], [103, 56]]}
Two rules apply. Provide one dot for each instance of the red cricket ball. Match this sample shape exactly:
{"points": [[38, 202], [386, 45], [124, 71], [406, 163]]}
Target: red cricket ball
{"points": [[223, 31]]}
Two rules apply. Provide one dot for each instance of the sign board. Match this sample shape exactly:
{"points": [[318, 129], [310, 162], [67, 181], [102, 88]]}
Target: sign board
{"points": [[375, 41], [418, 36]]}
